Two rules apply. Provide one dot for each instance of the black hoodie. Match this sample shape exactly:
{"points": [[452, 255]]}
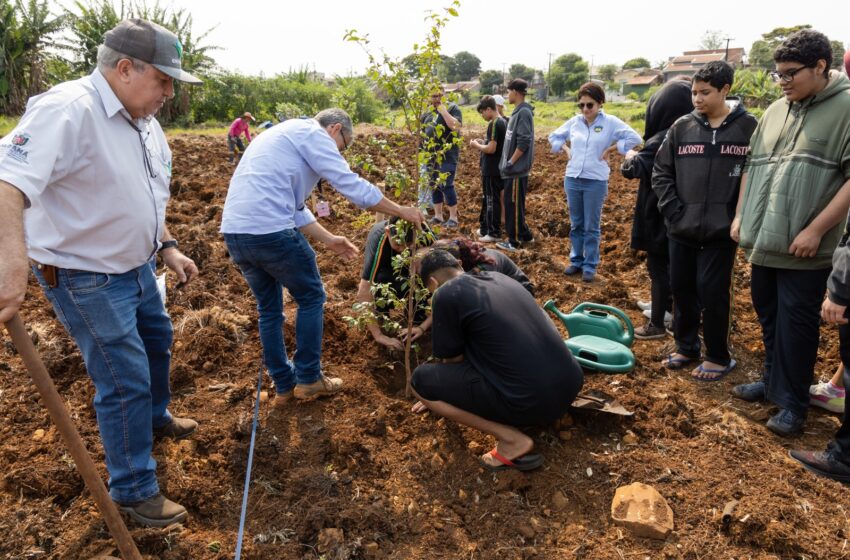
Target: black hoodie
{"points": [[697, 175], [665, 106]]}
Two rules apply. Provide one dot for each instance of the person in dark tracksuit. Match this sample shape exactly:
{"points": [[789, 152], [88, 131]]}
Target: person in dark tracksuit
{"points": [[649, 233], [834, 463], [515, 166], [696, 177], [490, 219]]}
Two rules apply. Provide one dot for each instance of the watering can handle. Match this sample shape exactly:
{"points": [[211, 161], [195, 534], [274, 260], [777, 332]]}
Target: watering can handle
{"points": [[612, 310]]}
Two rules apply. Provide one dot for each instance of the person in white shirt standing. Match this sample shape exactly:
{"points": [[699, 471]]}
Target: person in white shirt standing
{"points": [[264, 223], [86, 175]]}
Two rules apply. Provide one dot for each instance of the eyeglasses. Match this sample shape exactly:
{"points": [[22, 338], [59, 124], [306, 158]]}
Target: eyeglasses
{"points": [[590, 105], [788, 77], [146, 156], [344, 143]]}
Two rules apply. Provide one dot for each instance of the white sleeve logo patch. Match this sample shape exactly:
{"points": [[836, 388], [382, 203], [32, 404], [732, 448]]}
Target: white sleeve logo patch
{"points": [[15, 149]]}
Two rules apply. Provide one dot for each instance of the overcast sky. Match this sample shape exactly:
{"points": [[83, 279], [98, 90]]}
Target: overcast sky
{"points": [[272, 36]]}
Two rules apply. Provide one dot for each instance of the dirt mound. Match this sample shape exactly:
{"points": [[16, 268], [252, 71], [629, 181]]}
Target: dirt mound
{"points": [[358, 476]]}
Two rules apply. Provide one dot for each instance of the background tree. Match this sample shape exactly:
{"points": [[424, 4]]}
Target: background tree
{"points": [[639, 62], [518, 70], [761, 53], [568, 72], [608, 71], [712, 40], [466, 67], [28, 32], [490, 80], [837, 54]]}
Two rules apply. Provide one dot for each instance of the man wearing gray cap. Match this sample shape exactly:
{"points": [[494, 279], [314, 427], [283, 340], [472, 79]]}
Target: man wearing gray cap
{"points": [[86, 175]]}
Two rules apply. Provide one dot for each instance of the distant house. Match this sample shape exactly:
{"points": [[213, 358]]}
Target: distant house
{"points": [[624, 76], [463, 89], [689, 62], [641, 84]]}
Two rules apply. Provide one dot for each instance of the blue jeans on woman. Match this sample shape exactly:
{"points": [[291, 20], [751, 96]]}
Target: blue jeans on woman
{"points": [[124, 335], [585, 198], [269, 263]]}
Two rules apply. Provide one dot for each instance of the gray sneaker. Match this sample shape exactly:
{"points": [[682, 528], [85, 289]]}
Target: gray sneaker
{"points": [[649, 332], [158, 511], [751, 392]]}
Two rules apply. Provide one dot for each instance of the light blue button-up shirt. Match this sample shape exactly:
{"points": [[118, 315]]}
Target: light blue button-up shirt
{"points": [[588, 142], [277, 173]]}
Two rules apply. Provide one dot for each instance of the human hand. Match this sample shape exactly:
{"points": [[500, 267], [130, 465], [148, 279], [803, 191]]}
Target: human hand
{"points": [[180, 264], [389, 342], [735, 229], [415, 332], [806, 244], [411, 214], [342, 247], [14, 270], [630, 154], [833, 313], [418, 408]]}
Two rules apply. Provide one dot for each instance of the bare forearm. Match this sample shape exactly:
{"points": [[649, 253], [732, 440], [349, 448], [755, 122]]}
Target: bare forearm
{"points": [[741, 191], [317, 232], [451, 122], [12, 218], [835, 211]]}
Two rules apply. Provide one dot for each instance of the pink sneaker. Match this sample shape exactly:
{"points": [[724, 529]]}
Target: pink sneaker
{"points": [[827, 396]]}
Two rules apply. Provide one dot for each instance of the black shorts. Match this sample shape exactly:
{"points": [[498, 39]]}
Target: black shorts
{"points": [[461, 385]]}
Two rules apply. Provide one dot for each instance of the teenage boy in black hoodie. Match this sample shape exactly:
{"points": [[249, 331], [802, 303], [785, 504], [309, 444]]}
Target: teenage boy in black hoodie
{"points": [[490, 220], [515, 165], [696, 176]]}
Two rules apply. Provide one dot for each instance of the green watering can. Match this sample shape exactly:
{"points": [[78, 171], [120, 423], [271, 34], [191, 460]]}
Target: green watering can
{"points": [[600, 336]]}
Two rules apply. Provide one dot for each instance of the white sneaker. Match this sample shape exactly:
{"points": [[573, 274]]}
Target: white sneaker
{"points": [[478, 232], [827, 396], [668, 317], [487, 239], [644, 305]]}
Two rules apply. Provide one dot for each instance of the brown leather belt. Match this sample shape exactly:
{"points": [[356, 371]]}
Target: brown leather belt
{"points": [[49, 272]]}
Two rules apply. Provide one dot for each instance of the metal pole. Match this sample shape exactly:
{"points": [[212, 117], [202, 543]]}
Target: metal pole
{"points": [[65, 425]]}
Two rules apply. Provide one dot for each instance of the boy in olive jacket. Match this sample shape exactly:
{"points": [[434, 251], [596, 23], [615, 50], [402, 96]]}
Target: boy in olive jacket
{"points": [[791, 211]]}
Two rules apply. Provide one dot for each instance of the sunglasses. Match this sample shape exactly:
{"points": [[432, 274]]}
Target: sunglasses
{"points": [[787, 77], [590, 105]]}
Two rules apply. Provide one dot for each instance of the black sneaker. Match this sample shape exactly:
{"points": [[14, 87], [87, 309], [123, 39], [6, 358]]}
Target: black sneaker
{"points": [[786, 423], [751, 392]]}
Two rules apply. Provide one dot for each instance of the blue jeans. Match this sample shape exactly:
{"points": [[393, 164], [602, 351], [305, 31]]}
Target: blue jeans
{"points": [[585, 198], [432, 191], [124, 335], [269, 263]]}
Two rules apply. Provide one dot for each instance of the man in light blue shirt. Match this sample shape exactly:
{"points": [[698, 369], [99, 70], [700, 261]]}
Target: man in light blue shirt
{"points": [[588, 139], [264, 223]]}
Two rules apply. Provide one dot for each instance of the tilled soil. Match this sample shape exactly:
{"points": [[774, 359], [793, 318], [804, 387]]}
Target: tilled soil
{"points": [[359, 476]]}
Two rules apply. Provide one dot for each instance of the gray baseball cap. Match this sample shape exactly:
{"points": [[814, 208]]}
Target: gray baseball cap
{"points": [[150, 43]]}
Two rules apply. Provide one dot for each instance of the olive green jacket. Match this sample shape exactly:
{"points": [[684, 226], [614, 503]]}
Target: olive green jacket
{"points": [[799, 159]]}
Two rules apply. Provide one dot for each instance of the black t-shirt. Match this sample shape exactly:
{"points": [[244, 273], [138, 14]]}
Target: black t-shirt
{"points": [[378, 260], [499, 328], [431, 119], [507, 267], [490, 162]]}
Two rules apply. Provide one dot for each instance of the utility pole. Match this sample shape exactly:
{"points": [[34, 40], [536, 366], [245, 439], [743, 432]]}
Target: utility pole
{"points": [[504, 78], [726, 54], [549, 77]]}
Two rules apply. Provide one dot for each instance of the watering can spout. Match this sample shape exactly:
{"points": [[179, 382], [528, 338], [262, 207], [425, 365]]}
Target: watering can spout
{"points": [[550, 307]]}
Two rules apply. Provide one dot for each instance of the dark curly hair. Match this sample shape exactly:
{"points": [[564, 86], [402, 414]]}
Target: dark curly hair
{"points": [[806, 46], [469, 253], [718, 73]]}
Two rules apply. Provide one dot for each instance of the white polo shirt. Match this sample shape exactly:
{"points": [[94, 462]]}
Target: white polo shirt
{"points": [[92, 202]]}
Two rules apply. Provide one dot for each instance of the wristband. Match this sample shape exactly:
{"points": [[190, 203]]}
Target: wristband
{"points": [[170, 244]]}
